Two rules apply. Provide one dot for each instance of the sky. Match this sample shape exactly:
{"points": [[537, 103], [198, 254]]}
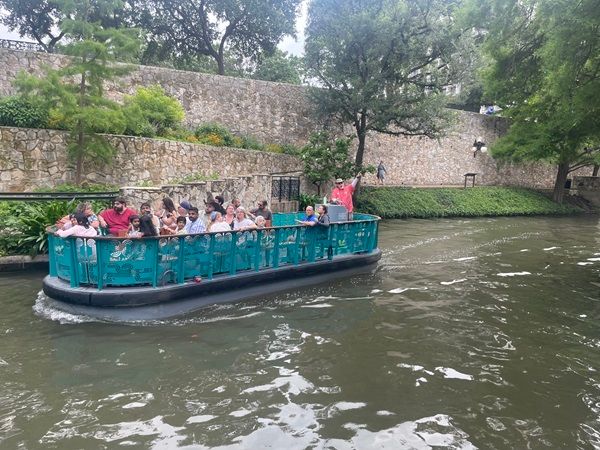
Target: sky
{"points": [[294, 46]]}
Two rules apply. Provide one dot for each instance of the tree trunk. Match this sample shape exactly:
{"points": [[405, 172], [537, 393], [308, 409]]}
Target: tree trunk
{"points": [[361, 132], [79, 165], [559, 185], [80, 133], [318, 185]]}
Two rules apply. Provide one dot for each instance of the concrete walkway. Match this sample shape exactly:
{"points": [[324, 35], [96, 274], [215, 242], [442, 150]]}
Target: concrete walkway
{"points": [[23, 262]]}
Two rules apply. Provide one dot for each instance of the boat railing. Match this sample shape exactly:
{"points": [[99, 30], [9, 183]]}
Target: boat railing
{"points": [[106, 261]]}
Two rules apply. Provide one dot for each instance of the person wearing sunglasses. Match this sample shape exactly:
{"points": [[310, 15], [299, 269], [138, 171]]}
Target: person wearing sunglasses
{"points": [[342, 194]]}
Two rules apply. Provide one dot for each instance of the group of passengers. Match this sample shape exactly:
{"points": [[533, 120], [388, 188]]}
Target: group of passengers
{"points": [[121, 220], [184, 218]]}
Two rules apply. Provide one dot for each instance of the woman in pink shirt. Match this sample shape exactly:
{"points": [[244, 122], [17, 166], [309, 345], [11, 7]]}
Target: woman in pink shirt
{"points": [[82, 229]]}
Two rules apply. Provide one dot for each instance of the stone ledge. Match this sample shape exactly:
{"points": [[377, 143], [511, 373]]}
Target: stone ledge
{"points": [[23, 262]]}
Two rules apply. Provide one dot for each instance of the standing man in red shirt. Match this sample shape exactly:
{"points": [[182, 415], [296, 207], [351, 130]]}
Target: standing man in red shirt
{"points": [[342, 194], [116, 220]]}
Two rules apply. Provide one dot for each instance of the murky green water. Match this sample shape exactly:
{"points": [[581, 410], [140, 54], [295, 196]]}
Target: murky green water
{"points": [[472, 333]]}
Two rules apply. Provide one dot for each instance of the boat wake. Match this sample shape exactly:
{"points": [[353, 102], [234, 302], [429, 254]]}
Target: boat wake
{"points": [[66, 314], [47, 308]]}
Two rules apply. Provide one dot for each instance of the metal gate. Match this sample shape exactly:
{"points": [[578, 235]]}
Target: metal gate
{"points": [[285, 188]]}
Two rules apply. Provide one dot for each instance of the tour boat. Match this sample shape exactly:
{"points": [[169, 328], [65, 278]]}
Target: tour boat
{"points": [[157, 277]]}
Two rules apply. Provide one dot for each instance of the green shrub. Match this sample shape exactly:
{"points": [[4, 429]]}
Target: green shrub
{"points": [[399, 203], [151, 112], [181, 134], [290, 149], [19, 112], [251, 143], [214, 134], [308, 200], [23, 225]]}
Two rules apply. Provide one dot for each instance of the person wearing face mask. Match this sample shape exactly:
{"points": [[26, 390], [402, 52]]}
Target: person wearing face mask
{"points": [[116, 220]]}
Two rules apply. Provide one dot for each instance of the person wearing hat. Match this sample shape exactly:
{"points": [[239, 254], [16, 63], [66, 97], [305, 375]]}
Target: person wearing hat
{"points": [[184, 208], [342, 194]]}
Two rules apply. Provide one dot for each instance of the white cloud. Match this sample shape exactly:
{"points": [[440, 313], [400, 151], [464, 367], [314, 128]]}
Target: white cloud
{"points": [[295, 46]]}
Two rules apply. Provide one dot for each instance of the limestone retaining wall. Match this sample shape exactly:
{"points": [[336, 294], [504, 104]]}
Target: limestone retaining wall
{"points": [[270, 112], [249, 189], [32, 158]]}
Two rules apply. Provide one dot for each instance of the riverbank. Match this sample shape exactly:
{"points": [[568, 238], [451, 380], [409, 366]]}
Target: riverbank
{"points": [[480, 201]]}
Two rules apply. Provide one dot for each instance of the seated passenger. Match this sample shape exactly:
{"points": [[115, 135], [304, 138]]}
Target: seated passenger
{"points": [[81, 229], [194, 225], [184, 208], [147, 227], [181, 221], [241, 222], [117, 218], [145, 208], [309, 219], [220, 200], [83, 208], [324, 220], [229, 216], [217, 224], [167, 215], [264, 211], [134, 227], [260, 222]]}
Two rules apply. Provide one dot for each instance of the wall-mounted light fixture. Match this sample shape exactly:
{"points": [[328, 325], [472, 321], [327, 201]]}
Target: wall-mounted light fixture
{"points": [[479, 146]]}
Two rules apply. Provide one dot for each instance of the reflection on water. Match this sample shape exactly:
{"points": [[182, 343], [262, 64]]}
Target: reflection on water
{"points": [[475, 333]]}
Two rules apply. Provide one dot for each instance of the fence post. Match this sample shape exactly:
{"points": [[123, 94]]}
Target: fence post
{"points": [[211, 255], [74, 272], [181, 260]]}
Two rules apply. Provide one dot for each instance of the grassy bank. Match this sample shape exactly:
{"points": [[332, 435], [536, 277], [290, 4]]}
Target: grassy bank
{"points": [[399, 203]]}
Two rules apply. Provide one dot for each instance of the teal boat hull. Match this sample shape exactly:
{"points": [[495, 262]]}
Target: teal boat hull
{"points": [[151, 303]]}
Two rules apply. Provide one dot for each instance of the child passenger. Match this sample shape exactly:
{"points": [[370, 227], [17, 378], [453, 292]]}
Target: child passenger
{"points": [[134, 227], [147, 227], [181, 221]]}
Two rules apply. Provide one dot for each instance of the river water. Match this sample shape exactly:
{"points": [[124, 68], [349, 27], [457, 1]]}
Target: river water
{"points": [[478, 333]]}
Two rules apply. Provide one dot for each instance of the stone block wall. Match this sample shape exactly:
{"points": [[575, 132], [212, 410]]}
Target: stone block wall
{"points": [[31, 158], [249, 189], [270, 112]]}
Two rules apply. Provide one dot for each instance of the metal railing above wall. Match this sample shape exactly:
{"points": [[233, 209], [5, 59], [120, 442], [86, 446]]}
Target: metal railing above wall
{"points": [[21, 45]]}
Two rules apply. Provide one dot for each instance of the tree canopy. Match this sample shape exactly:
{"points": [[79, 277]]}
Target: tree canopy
{"points": [[545, 72], [325, 159], [45, 20], [382, 65], [248, 29]]}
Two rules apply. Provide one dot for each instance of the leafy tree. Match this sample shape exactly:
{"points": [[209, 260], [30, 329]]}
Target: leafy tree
{"points": [[211, 27], [75, 93], [279, 67], [545, 73], [43, 20], [326, 159], [34, 18], [382, 64]]}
